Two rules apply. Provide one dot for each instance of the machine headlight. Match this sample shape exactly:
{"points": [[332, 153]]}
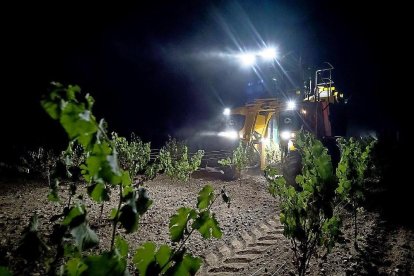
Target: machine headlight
{"points": [[231, 134], [291, 105], [286, 135]]}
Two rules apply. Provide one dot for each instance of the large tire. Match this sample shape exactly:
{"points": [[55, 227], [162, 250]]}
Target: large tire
{"points": [[253, 156], [230, 173], [291, 167]]}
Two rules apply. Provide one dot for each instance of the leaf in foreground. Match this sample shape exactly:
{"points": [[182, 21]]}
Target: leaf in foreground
{"points": [[178, 222], [207, 225], [84, 236], [4, 271], [148, 262], [188, 265]]}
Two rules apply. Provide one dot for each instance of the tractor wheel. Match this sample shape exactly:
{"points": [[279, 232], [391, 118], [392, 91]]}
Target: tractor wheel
{"points": [[230, 173], [291, 167]]}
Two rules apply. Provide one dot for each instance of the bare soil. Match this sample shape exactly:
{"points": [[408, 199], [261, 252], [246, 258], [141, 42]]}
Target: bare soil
{"points": [[252, 242]]}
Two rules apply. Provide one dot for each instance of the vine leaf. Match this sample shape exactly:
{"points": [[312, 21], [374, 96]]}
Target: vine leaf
{"points": [[205, 197], [163, 257], [184, 264], [98, 192], [78, 122], [84, 236], [145, 261], [207, 225], [76, 216], [129, 216], [99, 165], [53, 194], [135, 206], [178, 223], [121, 246], [52, 108], [107, 263], [4, 271], [75, 267], [144, 202]]}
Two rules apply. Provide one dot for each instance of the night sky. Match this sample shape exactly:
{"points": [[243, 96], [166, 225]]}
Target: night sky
{"points": [[163, 67]]}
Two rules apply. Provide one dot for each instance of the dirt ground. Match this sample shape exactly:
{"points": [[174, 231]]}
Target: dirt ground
{"points": [[252, 242]]}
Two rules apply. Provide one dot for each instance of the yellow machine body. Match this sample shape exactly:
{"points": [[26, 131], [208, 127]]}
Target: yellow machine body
{"points": [[263, 120]]}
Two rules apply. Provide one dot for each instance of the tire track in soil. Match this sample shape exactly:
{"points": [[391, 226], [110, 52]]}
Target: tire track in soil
{"points": [[247, 253]]}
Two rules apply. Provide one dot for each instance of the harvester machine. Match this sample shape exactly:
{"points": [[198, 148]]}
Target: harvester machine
{"points": [[270, 125]]}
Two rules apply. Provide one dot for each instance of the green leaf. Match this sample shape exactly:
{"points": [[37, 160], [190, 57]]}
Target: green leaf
{"points": [[113, 213], [205, 197], [84, 236], [78, 123], [331, 230], [51, 108], [98, 192], [105, 264], [77, 120], [144, 258], [121, 246], [178, 223], [53, 193], [129, 216], [71, 250], [163, 257], [188, 265], [150, 262], [143, 202], [99, 165], [4, 271], [225, 162], [324, 167], [152, 170], [282, 218], [175, 161], [75, 217], [75, 267], [126, 179], [127, 192], [90, 101], [71, 92], [207, 225], [113, 163]]}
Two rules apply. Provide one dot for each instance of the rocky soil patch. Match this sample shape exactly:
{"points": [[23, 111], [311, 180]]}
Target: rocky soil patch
{"points": [[252, 243]]}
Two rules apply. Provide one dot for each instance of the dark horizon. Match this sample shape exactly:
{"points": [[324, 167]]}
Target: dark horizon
{"points": [[159, 70]]}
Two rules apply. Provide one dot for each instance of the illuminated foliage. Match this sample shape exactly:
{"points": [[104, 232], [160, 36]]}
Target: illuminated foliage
{"points": [[133, 154], [355, 157], [307, 213], [240, 158], [108, 163], [176, 162]]}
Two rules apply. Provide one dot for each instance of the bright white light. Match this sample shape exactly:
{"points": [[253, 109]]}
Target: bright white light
{"points": [[285, 135], [291, 105], [226, 111], [290, 145], [231, 134], [247, 59], [265, 141], [269, 53], [303, 111]]}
